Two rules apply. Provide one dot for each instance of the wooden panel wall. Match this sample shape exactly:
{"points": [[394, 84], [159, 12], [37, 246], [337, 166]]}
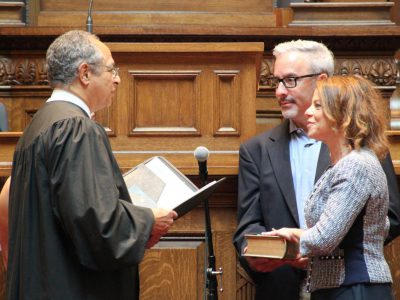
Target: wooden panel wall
{"points": [[172, 98], [175, 268], [196, 94], [154, 12], [12, 13], [365, 51]]}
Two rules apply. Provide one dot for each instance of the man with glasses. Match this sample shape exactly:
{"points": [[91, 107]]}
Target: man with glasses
{"points": [[278, 168], [73, 231]]}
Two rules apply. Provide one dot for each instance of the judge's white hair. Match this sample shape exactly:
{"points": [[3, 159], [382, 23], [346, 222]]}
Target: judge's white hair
{"points": [[67, 52]]}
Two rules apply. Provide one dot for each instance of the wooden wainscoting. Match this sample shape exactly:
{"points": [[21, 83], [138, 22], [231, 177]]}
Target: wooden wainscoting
{"points": [[217, 13], [175, 268], [173, 97]]}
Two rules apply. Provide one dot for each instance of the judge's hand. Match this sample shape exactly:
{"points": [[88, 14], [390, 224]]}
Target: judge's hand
{"points": [[163, 220]]}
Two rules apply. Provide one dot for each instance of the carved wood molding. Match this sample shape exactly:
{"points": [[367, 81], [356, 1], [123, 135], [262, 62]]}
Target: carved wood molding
{"points": [[380, 70], [22, 71]]}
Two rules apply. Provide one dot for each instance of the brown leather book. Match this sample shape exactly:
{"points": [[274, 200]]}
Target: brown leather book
{"points": [[270, 247]]}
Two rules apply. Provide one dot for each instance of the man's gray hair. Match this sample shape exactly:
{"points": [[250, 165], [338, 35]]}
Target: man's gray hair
{"points": [[321, 59], [67, 52]]}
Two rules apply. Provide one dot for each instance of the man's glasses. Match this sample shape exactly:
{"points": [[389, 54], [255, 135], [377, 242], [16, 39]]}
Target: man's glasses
{"points": [[114, 71], [290, 81]]}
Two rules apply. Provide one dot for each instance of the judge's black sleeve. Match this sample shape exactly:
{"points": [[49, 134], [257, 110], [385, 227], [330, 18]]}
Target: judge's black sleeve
{"points": [[73, 233]]}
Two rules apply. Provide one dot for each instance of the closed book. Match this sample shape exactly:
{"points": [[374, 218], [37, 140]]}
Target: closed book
{"points": [[270, 247]]}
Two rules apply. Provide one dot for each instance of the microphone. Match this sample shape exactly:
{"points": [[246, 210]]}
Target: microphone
{"points": [[201, 154], [89, 22]]}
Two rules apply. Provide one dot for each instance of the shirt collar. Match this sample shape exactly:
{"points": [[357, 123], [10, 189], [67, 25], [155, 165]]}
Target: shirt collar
{"points": [[294, 129], [63, 95]]}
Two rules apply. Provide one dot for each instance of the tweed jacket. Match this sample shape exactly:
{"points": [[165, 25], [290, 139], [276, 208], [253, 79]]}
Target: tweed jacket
{"points": [[347, 219]]}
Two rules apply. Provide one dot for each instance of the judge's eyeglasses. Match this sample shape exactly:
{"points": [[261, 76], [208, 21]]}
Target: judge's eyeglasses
{"points": [[113, 69]]}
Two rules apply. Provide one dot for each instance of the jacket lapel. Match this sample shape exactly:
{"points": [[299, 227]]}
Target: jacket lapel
{"points": [[323, 161], [278, 148]]}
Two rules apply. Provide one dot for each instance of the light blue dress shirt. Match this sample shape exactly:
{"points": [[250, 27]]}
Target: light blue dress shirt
{"points": [[304, 153]]}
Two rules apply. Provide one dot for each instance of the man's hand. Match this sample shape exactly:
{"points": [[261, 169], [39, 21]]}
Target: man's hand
{"points": [[261, 264], [299, 263], [269, 265], [163, 222]]}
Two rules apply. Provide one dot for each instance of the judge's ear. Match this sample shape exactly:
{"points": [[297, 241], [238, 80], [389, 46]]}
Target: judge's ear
{"points": [[84, 73]]}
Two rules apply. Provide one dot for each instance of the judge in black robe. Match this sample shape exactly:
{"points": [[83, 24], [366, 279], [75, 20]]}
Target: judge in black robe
{"points": [[73, 233]]}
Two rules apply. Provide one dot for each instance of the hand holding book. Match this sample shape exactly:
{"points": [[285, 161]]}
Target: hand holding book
{"points": [[278, 244], [156, 183], [163, 220], [269, 250], [262, 264], [289, 234]]}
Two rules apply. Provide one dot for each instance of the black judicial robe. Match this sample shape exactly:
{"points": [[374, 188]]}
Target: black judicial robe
{"points": [[73, 233]]}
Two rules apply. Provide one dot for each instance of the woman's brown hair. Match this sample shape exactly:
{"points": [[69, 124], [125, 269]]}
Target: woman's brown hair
{"points": [[355, 106]]}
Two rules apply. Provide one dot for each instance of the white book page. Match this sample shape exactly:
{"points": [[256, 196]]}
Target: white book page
{"points": [[175, 191]]}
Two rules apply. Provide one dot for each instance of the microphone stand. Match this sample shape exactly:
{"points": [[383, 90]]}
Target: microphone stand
{"points": [[212, 282]]}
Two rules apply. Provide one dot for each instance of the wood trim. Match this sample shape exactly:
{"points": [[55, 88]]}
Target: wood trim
{"points": [[195, 30], [11, 13], [186, 47]]}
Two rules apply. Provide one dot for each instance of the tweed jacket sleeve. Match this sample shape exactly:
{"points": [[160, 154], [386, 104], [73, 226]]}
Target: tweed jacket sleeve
{"points": [[347, 218]]}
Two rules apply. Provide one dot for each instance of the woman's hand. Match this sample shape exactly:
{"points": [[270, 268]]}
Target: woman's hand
{"points": [[290, 234]]}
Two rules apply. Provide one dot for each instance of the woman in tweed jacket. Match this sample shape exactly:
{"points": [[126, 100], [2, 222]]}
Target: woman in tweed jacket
{"points": [[346, 213]]}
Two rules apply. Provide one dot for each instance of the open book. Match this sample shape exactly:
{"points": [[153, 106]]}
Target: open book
{"points": [[157, 183]]}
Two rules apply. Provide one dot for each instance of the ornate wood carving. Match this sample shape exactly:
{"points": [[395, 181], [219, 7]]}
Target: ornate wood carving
{"points": [[31, 71], [380, 70], [22, 70]]}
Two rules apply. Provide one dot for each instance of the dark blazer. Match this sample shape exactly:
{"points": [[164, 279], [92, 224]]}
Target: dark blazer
{"points": [[266, 199]]}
